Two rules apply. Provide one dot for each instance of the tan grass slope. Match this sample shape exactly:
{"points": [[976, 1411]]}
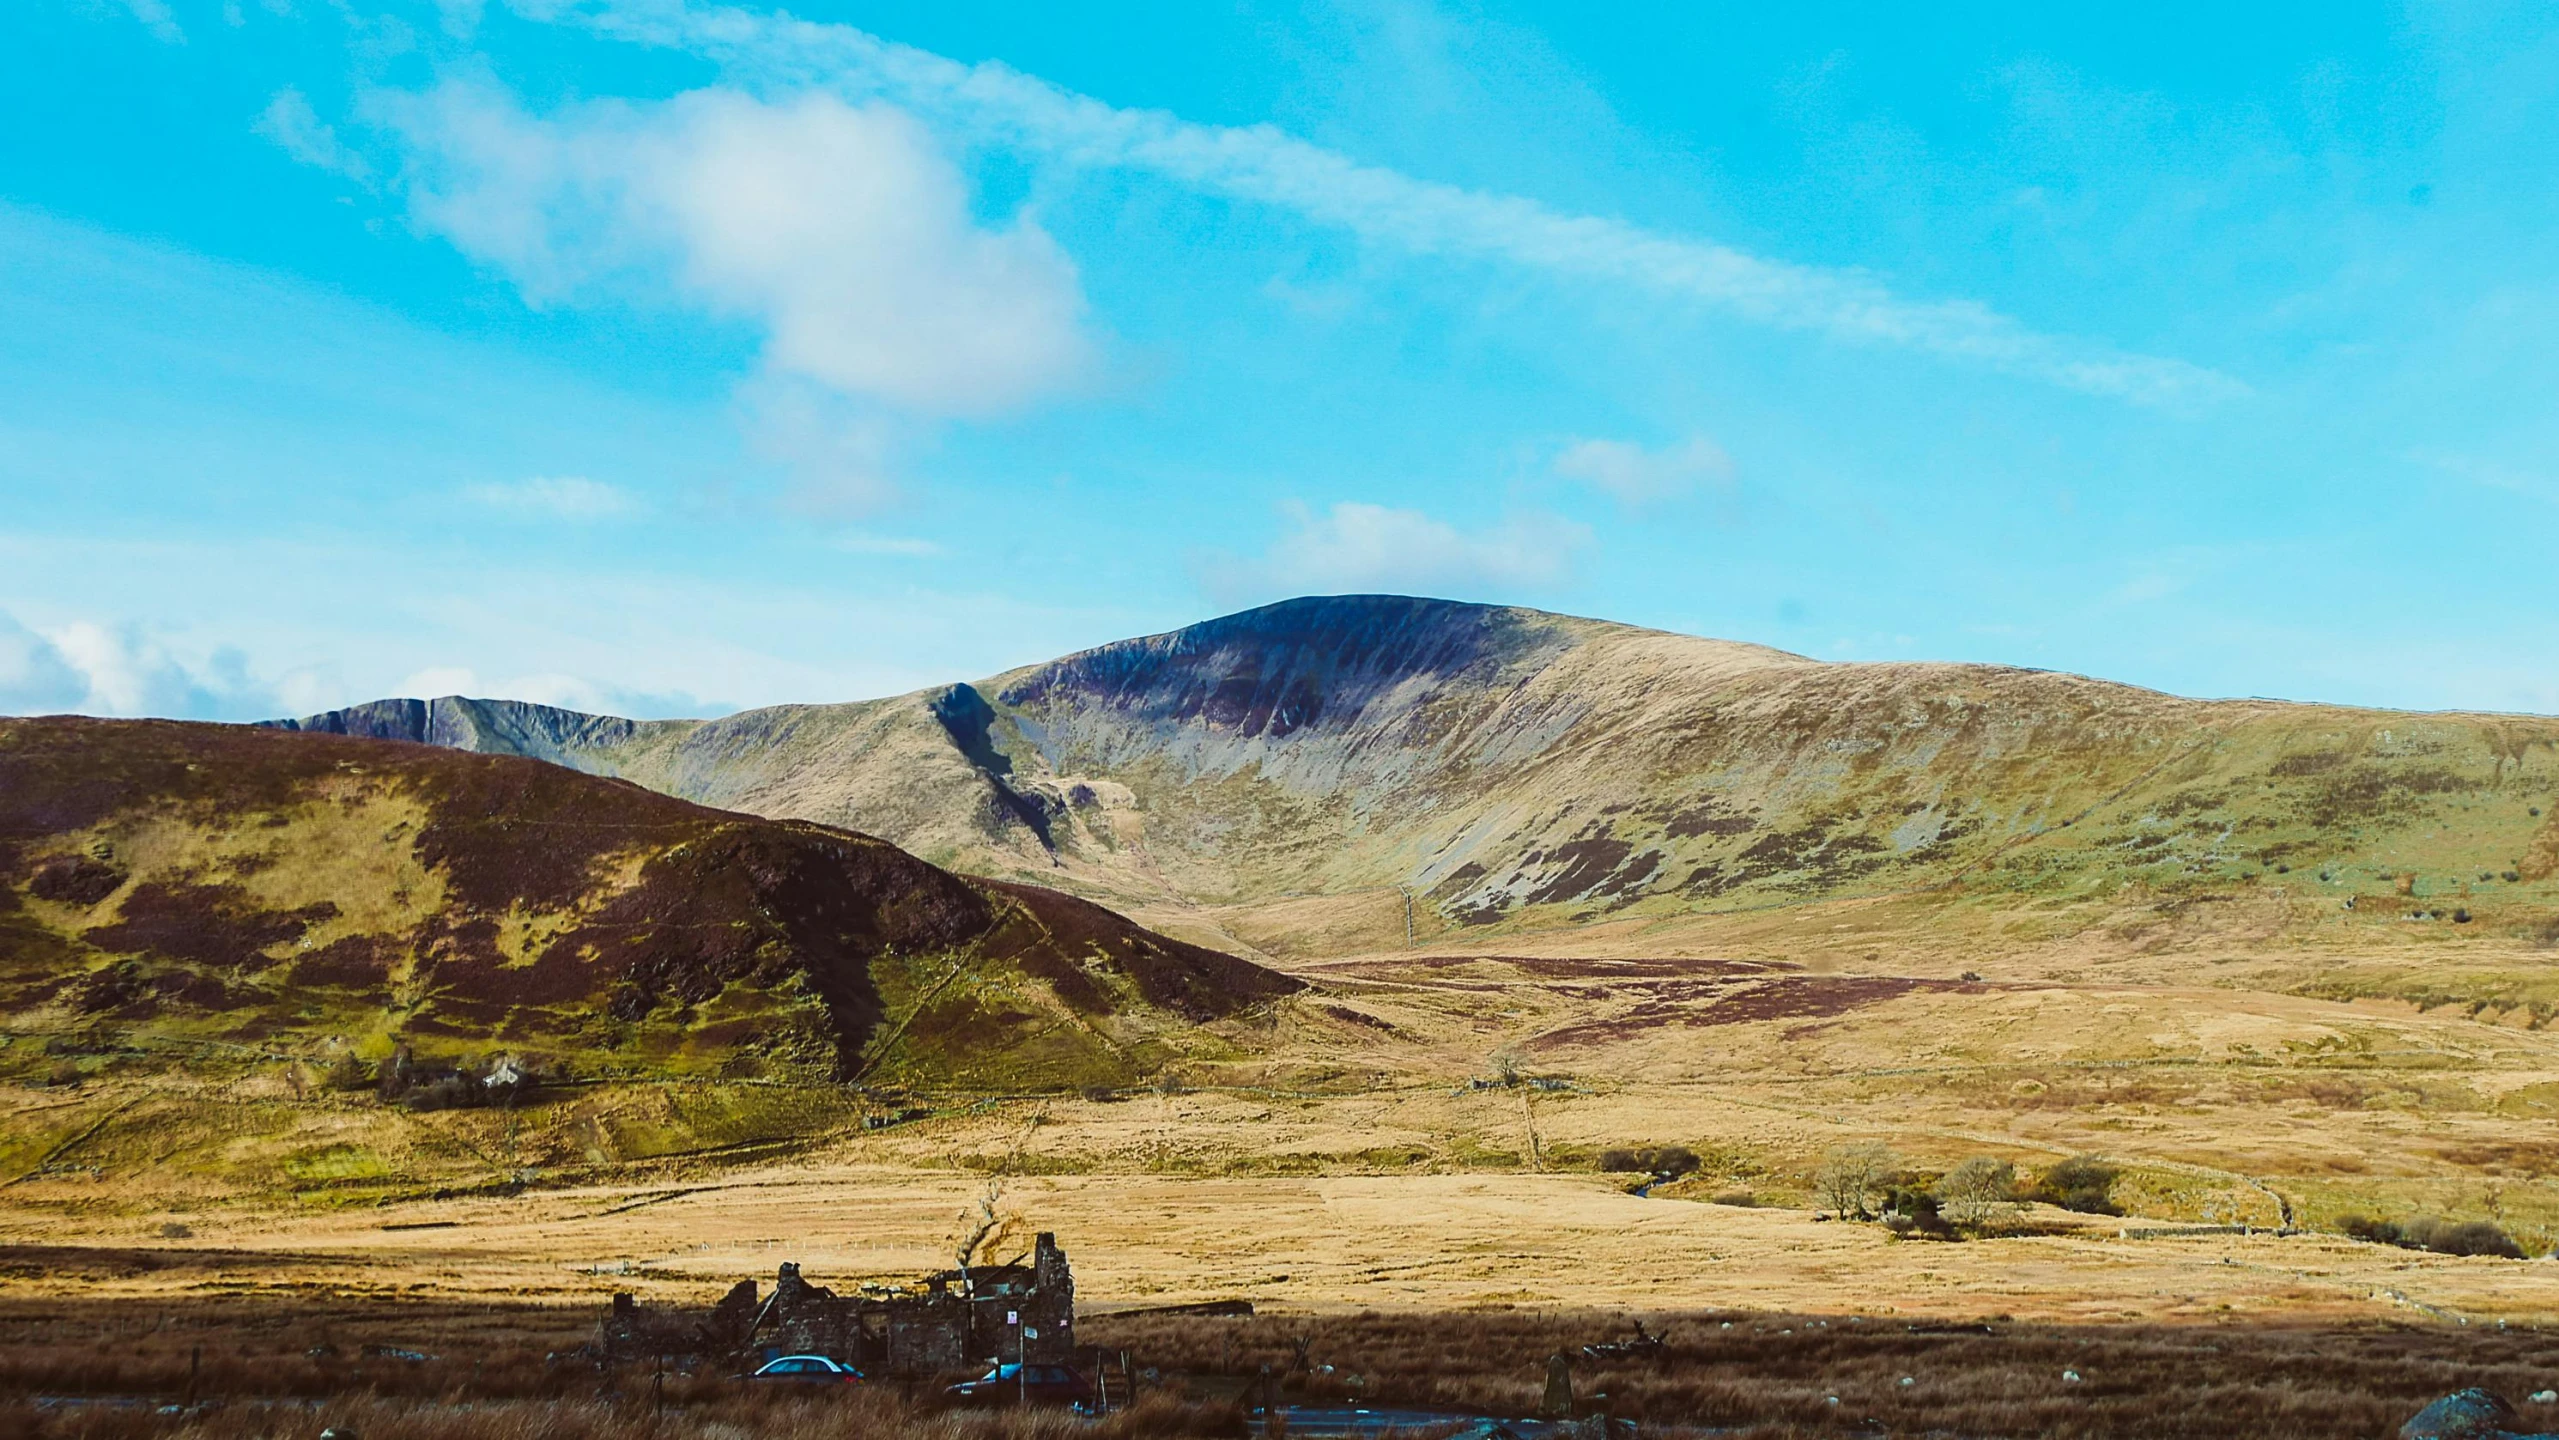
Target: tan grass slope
{"points": [[1465, 766], [2284, 966]]}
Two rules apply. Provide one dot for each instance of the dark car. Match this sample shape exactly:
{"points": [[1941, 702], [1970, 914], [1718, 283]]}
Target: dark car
{"points": [[1016, 1384], [806, 1370]]}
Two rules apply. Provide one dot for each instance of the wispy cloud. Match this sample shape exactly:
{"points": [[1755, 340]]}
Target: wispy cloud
{"points": [[1356, 547], [1262, 164], [1635, 475], [863, 542], [558, 497], [36, 678], [157, 18], [292, 124], [2489, 474], [840, 229], [842, 452], [562, 691], [86, 667]]}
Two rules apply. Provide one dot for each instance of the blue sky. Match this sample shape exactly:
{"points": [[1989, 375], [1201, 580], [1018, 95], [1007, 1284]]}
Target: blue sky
{"points": [[666, 358]]}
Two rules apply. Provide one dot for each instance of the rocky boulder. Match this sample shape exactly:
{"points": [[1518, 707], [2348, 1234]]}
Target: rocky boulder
{"points": [[2472, 1414]]}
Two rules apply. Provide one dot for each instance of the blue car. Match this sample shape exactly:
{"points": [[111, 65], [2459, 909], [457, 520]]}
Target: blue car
{"points": [[1011, 1385], [806, 1370]]}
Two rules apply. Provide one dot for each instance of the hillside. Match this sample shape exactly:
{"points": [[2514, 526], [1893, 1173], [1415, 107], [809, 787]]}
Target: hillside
{"points": [[179, 889], [1481, 769], [2282, 966]]}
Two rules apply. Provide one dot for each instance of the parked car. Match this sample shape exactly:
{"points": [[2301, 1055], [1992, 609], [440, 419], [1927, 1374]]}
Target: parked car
{"points": [[806, 1370], [1015, 1384]]}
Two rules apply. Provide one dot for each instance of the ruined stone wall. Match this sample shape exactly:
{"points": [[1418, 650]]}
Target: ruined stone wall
{"points": [[1050, 1307], [928, 1336], [1002, 1313]]}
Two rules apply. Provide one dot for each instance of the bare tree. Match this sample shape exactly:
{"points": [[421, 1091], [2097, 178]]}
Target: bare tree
{"points": [[1978, 1192], [986, 1226], [1851, 1176]]}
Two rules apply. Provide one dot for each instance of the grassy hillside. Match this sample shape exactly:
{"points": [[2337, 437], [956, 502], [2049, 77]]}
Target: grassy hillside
{"points": [[1557, 888], [1484, 770], [190, 890]]}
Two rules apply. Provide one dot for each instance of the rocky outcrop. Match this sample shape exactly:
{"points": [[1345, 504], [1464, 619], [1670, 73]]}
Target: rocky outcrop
{"points": [[492, 727], [2468, 1415]]}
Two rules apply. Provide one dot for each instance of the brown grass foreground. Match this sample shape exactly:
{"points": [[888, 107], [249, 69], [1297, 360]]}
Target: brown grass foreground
{"points": [[280, 1369]]}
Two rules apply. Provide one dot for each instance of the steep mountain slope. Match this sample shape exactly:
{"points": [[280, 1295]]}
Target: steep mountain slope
{"points": [[1504, 765], [317, 894]]}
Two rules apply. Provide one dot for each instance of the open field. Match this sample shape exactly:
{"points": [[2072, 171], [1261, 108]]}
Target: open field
{"points": [[1369, 1155], [2288, 968], [1403, 1162], [1317, 1244]]}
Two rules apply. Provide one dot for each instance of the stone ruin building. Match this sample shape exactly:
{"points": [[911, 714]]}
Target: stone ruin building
{"points": [[957, 1320]]}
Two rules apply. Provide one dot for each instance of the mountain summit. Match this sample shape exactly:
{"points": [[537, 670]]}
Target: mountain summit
{"points": [[1487, 764]]}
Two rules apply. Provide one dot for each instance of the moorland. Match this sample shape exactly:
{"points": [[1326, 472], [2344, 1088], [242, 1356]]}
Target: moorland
{"points": [[1358, 954]]}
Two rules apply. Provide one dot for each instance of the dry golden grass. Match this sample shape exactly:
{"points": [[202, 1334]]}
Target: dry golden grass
{"points": [[1424, 1242], [1345, 1156]]}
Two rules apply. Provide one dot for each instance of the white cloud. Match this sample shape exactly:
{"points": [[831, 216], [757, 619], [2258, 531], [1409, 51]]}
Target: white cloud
{"points": [[565, 692], [862, 542], [840, 230], [1267, 166], [87, 668], [437, 681], [291, 123], [561, 497], [841, 452], [2489, 473], [1635, 475], [155, 17], [35, 677], [461, 17], [1356, 547]]}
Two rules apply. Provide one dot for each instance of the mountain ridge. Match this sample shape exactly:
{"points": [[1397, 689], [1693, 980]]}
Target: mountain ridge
{"points": [[1497, 765]]}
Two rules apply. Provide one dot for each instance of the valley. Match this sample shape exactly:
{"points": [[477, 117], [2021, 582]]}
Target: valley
{"points": [[1432, 910]]}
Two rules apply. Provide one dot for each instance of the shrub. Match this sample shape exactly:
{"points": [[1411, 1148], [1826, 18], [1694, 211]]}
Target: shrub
{"points": [[2461, 1237], [2083, 1183], [1850, 1176], [2426, 1232], [1662, 1162], [350, 1073], [1978, 1192], [1911, 1209]]}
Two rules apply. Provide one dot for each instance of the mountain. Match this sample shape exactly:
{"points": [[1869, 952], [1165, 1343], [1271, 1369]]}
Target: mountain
{"points": [[1481, 766], [253, 890]]}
